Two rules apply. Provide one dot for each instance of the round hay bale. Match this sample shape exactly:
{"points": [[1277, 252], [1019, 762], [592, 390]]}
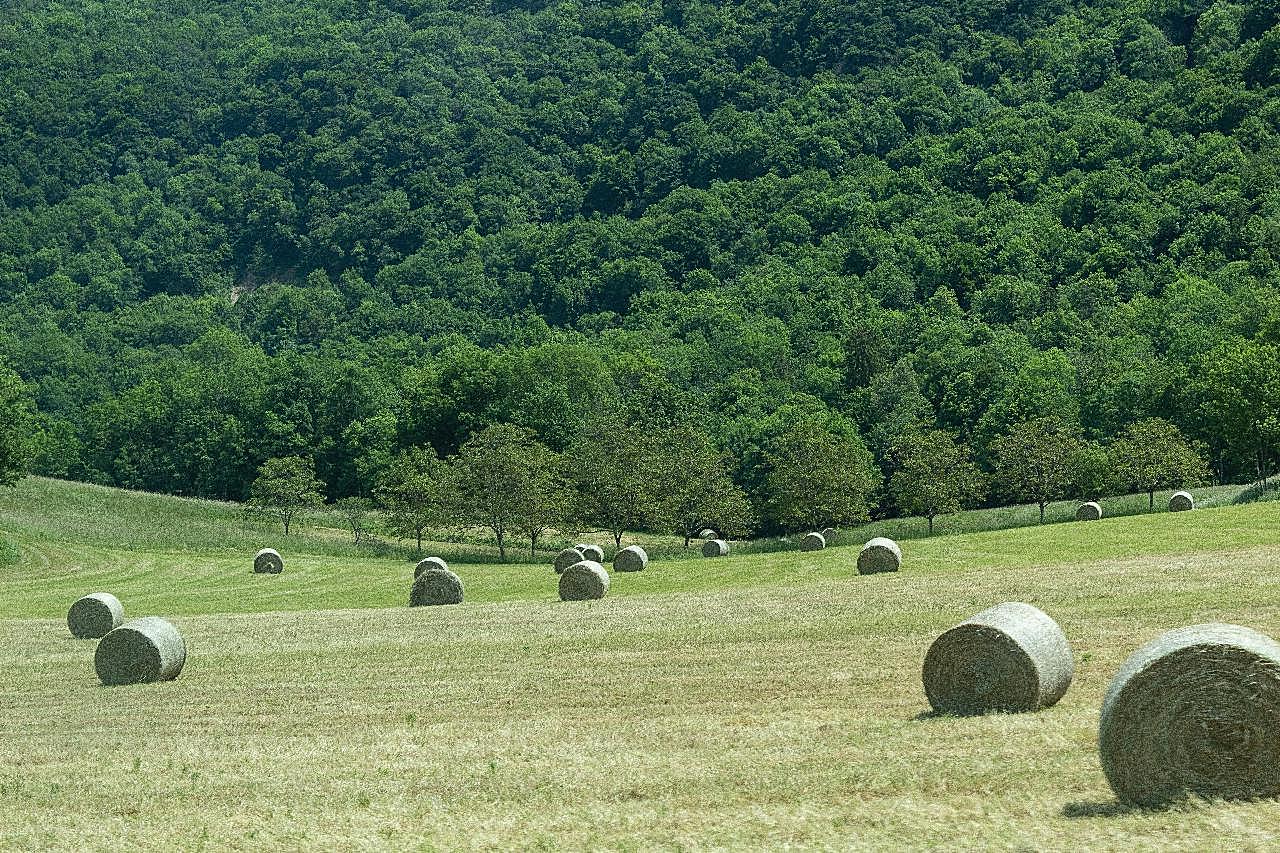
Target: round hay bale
{"points": [[1010, 658], [1089, 511], [141, 650], [268, 562], [879, 555], [428, 564], [813, 542], [630, 559], [715, 548], [95, 615], [706, 533], [435, 586], [1196, 711], [828, 533], [584, 581], [1181, 502], [591, 552], [567, 558]]}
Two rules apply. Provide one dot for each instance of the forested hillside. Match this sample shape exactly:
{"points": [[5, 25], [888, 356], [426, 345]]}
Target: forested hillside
{"points": [[231, 231]]}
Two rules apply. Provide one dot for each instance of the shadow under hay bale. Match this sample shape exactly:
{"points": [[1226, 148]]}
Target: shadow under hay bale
{"points": [[1089, 511], [140, 651], [428, 564], [630, 559], [1181, 502], [567, 558], [1194, 712], [813, 542], [268, 562], [94, 615], [435, 586], [584, 581], [715, 548], [879, 555], [1008, 658]]}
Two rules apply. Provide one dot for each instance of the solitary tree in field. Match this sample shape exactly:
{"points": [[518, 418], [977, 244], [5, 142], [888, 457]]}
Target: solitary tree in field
{"points": [[619, 472], [411, 489], [1239, 392], [1034, 462], [817, 478], [16, 425], [1154, 454], [286, 487], [935, 476], [356, 513], [699, 491]]}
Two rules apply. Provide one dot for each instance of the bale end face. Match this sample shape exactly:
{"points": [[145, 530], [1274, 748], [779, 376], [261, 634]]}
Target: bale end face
{"points": [[631, 559], [591, 552], [1195, 712], [94, 616], [584, 581], [567, 558], [140, 651], [813, 542], [435, 586], [828, 533], [1089, 511], [1181, 502], [715, 548], [879, 555], [428, 564], [268, 562]]}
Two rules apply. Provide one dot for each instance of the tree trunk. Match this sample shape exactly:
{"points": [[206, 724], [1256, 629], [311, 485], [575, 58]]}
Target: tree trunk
{"points": [[533, 544], [419, 541], [1151, 499], [617, 540], [502, 545], [286, 525], [930, 525], [1042, 513], [687, 540]]}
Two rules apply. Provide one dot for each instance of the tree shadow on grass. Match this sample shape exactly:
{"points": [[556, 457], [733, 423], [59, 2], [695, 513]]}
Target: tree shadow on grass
{"points": [[1101, 808]]}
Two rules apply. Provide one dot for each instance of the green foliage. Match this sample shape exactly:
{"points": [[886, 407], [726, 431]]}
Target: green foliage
{"points": [[17, 422], [935, 476], [817, 478], [413, 490], [285, 489], [1154, 454], [698, 489], [1239, 391], [624, 476], [1036, 461], [355, 512]]}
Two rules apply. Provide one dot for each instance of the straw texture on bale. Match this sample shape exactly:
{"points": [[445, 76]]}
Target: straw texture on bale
{"points": [[1009, 658], [141, 650], [435, 586], [591, 552], [584, 581], [428, 564], [630, 559], [828, 533], [268, 562], [715, 548], [706, 533], [1089, 511], [567, 558], [1181, 502], [813, 542], [879, 555], [1196, 711], [94, 615]]}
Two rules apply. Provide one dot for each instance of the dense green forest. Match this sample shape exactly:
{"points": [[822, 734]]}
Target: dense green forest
{"points": [[233, 231]]}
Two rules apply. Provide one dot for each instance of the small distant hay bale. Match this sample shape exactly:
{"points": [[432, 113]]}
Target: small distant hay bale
{"points": [[591, 552], [1089, 511], [1195, 712], [584, 581], [1181, 502], [428, 564], [828, 533], [881, 554], [715, 548], [630, 559], [706, 533], [813, 542], [435, 586], [94, 615], [268, 562], [567, 558], [140, 651], [1009, 658]]}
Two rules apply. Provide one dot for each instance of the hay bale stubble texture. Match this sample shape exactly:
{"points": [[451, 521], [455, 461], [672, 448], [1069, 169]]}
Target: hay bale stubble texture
{"points": [[268, 562], [591, 552], [142, 650], [1181, 502], [584, 581], [428, 564], [1008, 658], [95, 615], [1089, 511], [813, 542], [715, 548], [435, 586], [828, 533], [567, 558], [630, 559], [706, 533], [879, 555], [1196, 711]]}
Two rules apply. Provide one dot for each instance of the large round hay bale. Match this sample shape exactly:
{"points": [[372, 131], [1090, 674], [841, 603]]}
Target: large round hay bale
{"points": [[591, 552], [567, 558], [1011, 657], [828, 533], [428, 564], [94, 615], [1181, 502], [584, 581], [435, 586], [268, 562], [630, 559], [1196, 711], [715, 548], [141, 650], [706, 533], [813, 542], [879, 555], [1089, 511]]}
